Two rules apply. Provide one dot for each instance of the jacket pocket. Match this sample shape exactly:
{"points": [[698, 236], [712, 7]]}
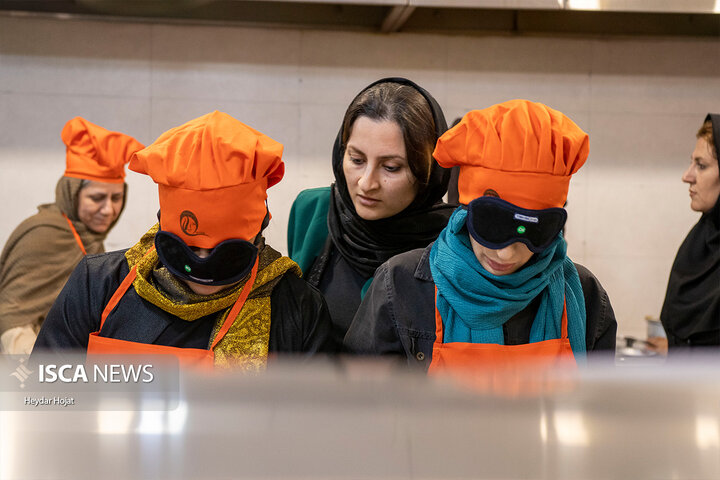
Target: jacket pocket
{"points": [[418, 346]]}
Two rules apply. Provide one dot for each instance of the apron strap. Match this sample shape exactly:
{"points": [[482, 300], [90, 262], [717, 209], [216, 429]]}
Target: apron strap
{"points": [[564, 322], [75, 234], [438, 321], [235, 310], [127, 281]]}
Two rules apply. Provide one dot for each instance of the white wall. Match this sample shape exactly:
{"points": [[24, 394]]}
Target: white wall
{"points": [[641, 100]]}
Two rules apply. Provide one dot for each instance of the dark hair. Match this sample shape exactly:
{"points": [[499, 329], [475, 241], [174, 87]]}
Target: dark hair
{"points": [[706, 132], [407, 107]]}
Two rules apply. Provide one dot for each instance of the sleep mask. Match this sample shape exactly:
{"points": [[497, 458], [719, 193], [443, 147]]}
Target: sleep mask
{"points": [[229, 261], [495, 223]]}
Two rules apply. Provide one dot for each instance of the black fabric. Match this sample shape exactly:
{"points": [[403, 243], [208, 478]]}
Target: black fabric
{"points": [[300, 321], [495, 223], [367, 244], [453, 194], [691, 311], [228, 262], [397, 315], [339, 279]]}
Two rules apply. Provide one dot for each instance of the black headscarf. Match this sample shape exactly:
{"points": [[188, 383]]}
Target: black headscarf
{"points": [[691, 312], [367, 244]]}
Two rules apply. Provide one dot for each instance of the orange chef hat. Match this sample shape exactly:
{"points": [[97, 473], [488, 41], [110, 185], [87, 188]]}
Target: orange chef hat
{"points": [[212, 175], [522, 151], [94, 153]]}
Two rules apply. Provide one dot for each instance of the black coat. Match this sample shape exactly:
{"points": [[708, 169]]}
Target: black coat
{"points": [[397, 315], [300, 321]]}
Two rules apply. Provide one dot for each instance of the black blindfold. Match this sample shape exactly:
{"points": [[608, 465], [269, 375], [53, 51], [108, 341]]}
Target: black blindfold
{"points": [[229, 261], [495, 223]]}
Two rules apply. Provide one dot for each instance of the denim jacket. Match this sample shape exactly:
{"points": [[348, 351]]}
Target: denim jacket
{"points": [[397, 315]]}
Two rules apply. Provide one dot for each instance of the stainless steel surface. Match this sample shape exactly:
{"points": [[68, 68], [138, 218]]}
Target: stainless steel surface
{"points": [[370, 420]]}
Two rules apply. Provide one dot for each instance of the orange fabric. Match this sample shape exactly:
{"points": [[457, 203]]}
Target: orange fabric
{"points": [[201, 221], [75, 234], [212, 173], [506, 369], [523, 151], [235, 310], [94, 153], [187, 357]]}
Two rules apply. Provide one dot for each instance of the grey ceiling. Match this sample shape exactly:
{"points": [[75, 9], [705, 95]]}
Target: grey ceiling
{"points": [[585, 17]]}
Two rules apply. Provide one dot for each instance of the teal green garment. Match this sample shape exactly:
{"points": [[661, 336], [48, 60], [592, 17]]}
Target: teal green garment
{"points": [[307, 227], [474, 304]]}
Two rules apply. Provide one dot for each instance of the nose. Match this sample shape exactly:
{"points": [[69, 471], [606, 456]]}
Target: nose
{"points": [[689, 175], [107, 207], [507, 253], [369, 179]]}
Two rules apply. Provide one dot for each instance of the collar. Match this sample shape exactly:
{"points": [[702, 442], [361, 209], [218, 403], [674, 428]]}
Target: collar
{"points": [[422, 271]]}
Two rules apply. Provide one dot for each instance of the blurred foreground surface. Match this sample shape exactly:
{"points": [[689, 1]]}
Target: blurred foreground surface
{"points": [[364, 419]]}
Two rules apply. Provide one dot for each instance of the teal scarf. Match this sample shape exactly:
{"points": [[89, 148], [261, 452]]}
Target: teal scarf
{"points": [[474, 303]]}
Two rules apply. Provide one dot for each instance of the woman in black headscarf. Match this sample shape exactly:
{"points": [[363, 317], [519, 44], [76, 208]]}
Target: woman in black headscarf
{"points": [[386, 198], [691, 312]]}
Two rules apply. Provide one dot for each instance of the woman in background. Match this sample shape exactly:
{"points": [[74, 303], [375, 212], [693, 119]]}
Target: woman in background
{"points": [[691, 311], [386, 198], [45, 248]]}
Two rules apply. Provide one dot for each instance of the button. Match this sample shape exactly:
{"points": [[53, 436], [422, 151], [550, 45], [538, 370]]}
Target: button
{"points": [[420, 356]]}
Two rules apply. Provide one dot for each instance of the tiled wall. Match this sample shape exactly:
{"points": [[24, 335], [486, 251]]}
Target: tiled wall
{"points": [[641, 100]]}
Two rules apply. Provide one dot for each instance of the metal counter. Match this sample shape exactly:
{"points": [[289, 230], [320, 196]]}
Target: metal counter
{"points": [[371, 420]]}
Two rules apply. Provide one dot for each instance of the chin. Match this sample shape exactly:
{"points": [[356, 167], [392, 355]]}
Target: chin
{"points": [[204, 289], [697, 208], [366, 213], [100, 229]]}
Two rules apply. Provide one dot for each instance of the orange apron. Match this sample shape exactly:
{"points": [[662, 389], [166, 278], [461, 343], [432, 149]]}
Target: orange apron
{"points": [[187, 357], [75, 234], [501, 368]]}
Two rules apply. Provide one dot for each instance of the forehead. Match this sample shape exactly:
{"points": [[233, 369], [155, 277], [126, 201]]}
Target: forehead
{"points": [[386, 133], [93, 188]]}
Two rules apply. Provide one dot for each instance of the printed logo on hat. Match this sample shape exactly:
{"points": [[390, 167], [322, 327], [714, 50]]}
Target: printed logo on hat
{"points": [[189, 224]]}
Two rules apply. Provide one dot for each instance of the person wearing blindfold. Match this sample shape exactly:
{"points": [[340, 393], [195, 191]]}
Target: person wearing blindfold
{"points": [[691, 310], [201, 284], [386, 199], [43, 250], [497, 285]]}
